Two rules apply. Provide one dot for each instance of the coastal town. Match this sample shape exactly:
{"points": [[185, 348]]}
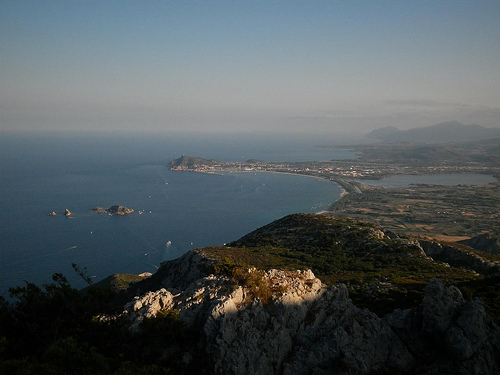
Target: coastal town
{"points": [[324, 169], [371, 161]]}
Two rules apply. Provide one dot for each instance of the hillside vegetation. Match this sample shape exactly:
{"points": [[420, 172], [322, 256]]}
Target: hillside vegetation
{"points": [[382, 269], [56, 329]]}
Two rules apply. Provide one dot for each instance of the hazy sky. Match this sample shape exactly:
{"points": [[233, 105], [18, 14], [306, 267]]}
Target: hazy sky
{"points": [[315, 66]]}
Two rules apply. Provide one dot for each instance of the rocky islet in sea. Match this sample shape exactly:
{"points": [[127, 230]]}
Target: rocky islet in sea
{"points": [[66, 213], [113, 210]]}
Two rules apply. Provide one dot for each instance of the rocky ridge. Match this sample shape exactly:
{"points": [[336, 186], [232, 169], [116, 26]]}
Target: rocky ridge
{"points": [[459, 257], [305, 327], [353, 239], [484, 242]]}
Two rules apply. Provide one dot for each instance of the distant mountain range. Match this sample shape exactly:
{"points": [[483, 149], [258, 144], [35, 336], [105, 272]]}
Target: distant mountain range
{"points": [[450, 131]]}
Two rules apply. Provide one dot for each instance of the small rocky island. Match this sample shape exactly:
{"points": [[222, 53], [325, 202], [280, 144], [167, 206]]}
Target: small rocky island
{"points": [[66, 213], [114, 210]]}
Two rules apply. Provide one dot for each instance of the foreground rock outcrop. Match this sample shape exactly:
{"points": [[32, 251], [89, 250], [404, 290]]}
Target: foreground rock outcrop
{"points": [[289, 322]]}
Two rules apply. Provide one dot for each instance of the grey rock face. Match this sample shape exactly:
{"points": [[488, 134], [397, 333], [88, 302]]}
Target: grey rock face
{"points": [[447, 334], [308, 328], [346, 339]]}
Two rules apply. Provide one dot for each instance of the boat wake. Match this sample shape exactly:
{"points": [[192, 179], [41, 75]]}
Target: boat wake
{"points": [[68, 248]]}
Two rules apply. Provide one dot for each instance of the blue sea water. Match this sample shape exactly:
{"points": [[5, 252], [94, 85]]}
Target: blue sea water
{"points": [[182, 210]]}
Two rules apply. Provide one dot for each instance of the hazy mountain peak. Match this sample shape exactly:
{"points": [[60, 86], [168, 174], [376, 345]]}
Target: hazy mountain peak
{"points": [[448, 131]]}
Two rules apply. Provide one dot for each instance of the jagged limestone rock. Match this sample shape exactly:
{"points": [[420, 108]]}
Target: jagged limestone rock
{"points": [[148, 306], [305, 327]]}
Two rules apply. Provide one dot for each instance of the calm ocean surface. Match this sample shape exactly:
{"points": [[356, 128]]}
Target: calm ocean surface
{"points": [[182, 211]]}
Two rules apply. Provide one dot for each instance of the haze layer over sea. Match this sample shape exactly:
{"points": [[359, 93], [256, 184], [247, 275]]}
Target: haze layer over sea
{"points": [[180, 210]]}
